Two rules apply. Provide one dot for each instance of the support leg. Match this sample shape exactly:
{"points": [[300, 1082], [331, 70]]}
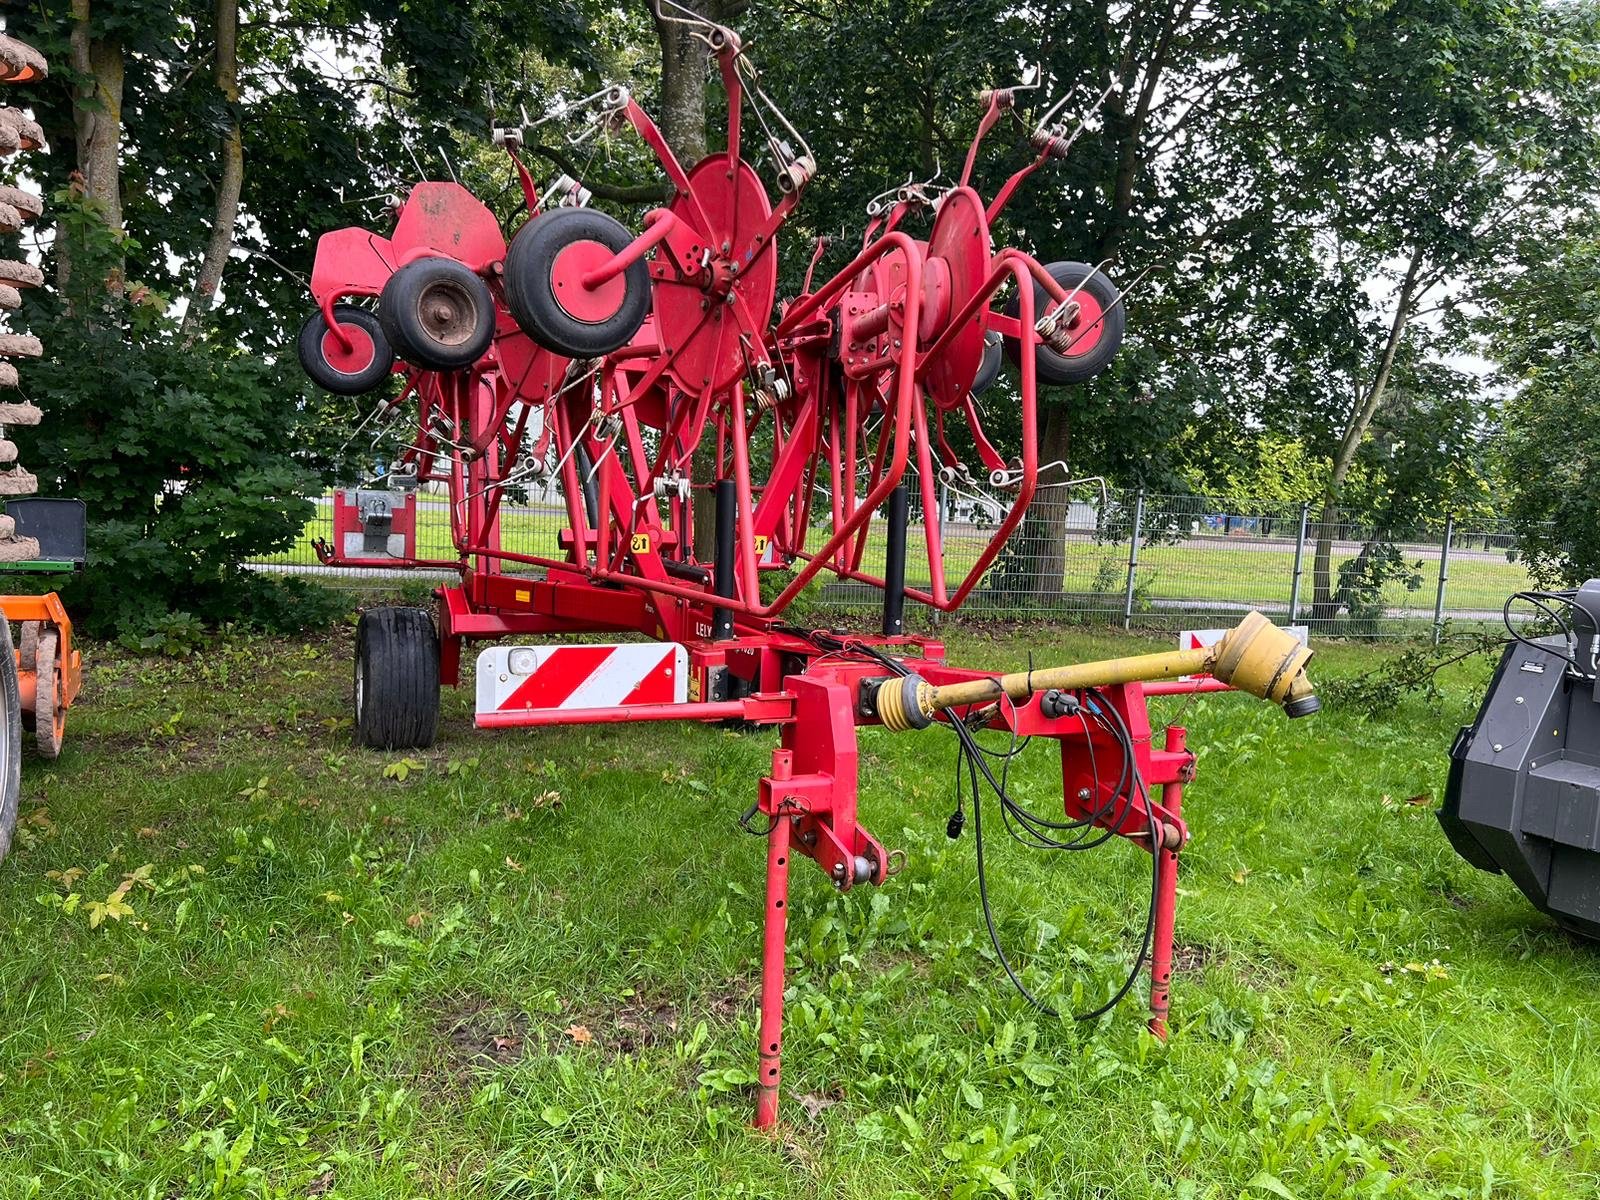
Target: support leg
{"points": [[772, 962], [1166, 904]]}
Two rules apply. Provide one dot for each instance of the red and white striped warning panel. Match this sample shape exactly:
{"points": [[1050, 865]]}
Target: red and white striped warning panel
{"points": [[519, 678]]}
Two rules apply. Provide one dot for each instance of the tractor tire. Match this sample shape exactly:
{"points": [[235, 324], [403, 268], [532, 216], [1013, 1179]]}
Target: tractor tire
{"points": [[437, 314], [10, 739], [548, 257], [345, 372], [1102, 323], [396, 679]]}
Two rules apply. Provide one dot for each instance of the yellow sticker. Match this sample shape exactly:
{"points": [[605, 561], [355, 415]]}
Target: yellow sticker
{"points": [[694, 688], [761, 543], [640, 543], [524, 597]]}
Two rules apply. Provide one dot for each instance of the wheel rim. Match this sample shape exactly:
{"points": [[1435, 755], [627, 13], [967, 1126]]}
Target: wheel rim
{"points": [[1085, 327], [361, 687], [447, 312], [354, 360], [589, 305]]}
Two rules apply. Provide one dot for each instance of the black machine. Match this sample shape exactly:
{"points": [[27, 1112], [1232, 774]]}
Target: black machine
{"points": [[1523, 797]]}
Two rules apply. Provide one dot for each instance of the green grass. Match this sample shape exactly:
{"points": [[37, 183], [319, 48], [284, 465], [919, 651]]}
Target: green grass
{"points": [[346, 976]]}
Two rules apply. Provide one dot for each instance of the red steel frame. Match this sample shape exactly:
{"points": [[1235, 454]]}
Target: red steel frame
{"points": [[852, 381]]}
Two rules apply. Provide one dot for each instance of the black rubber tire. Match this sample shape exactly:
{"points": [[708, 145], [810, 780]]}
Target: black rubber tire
{"points": [[396, 679], [457, 343], [530, 294], [10, 739], [989, 366], [1056, 368], [323, 373]]}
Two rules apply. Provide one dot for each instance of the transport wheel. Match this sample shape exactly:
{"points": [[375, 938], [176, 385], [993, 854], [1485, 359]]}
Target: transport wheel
{"points": [[397, 678], [544, 291], [49, 714], [437, 314], [10, 738], [1094, 332], [989, 367], [351, 372]]}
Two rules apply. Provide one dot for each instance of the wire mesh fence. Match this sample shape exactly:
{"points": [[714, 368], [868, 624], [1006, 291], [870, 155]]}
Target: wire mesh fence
{"points": [[1130, 558]]}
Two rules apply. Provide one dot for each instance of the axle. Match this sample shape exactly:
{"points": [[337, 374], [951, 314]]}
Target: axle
{"points": [[1255, 656]]}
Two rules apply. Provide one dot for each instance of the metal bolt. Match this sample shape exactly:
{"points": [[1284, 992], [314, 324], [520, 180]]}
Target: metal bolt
{"points": [[1497, 747], [838, 870], [1519, 699], [1083, 793]]}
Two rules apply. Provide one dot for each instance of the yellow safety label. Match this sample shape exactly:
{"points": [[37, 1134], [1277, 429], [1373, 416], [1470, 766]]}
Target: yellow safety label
{"points": [[640, 543]]}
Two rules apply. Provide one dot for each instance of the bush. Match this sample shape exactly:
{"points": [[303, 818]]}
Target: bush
{"points": [[183, 450]]}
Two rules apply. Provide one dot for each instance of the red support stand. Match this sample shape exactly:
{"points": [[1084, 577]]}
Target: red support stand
{"points": [[1166, 898], [774, 941]]}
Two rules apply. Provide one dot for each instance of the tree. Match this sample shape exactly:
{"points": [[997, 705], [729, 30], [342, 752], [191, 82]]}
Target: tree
{"points": [[1307, 182], [204, 133], [1543, 322]]}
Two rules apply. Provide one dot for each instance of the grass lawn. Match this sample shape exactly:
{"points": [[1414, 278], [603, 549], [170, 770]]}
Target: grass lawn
{"points": [[524, 965]]}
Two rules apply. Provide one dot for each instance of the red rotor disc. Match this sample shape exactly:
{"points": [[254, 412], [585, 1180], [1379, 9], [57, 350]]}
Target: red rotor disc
{"points": [[961, 239], [705, 342]]}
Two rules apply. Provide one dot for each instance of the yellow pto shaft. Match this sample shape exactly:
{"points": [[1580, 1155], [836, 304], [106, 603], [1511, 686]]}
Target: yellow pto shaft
{"points": [[1255, 656]]}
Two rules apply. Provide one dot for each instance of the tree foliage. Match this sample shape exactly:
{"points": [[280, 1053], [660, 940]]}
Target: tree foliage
{"points": [[1546, 328]]}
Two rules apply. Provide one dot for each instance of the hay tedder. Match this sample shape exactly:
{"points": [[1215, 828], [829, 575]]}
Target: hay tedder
{"points": [[651, 372]]}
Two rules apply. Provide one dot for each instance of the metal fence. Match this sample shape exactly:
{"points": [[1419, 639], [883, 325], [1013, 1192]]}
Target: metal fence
{"points": [[1134, 559]]}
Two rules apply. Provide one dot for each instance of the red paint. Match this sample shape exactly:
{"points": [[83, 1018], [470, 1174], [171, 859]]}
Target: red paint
{"points": [[563, 673], [354, 357], [1166, 898], [579, 299]]}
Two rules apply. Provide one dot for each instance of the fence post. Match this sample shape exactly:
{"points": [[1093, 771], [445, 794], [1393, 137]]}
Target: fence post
{"points": [[1444, 575], [1133, 559], [1299, 564]]}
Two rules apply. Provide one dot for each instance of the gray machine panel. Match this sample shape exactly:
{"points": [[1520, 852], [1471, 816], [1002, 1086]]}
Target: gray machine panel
{"points": [[1524, 789]]}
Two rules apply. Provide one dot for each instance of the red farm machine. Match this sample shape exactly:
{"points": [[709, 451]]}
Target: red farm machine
{"points": [[647, 373]]}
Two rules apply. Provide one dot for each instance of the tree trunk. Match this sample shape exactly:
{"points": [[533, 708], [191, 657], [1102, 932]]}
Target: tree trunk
{"points": [[1052, 505], [97, 124], [685, 60], [1325, 604], [209, 280]]}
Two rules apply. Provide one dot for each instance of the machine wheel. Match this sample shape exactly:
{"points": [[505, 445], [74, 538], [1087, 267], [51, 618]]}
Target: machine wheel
{"points": [[548, 259], [397, 679], [49, 714], [989, 367], [437, 314], [345, 372], [10, 738], [1096, 330]]}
